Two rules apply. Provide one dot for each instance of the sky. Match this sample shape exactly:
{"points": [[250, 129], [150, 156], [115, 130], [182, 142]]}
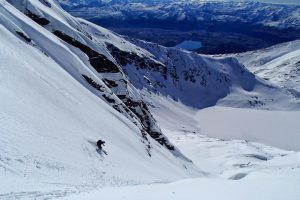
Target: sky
{"points": [[275, 1]]}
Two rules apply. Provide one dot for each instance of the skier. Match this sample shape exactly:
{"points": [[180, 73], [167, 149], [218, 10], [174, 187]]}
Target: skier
{"points": [[100, 144]]}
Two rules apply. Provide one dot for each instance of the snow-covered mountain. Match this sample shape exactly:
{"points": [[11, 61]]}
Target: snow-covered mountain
{"points": [[200, 81], [66, 83], [279, 64]]}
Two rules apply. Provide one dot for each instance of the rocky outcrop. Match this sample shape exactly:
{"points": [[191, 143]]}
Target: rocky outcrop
{"points": [[100, 63], [40, 20], [129, 58]]}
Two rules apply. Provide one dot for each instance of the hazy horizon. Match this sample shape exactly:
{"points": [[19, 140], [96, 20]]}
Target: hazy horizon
{"points": [[281, 1], [296, 2]]}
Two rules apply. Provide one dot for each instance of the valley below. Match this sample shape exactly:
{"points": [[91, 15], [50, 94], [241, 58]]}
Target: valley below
{"points": [[222, 27]]}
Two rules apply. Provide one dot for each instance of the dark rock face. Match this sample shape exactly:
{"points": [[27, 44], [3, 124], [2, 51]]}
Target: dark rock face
{"points": [[40, 20], [100, 63], [114, 101], [108, 99], [125, 58], [93, 83], [46, 3], [22, 35], [140, 109], [110, 83]]}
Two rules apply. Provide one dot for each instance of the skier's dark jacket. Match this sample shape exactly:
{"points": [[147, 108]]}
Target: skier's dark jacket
{"points": [[100, 143]]}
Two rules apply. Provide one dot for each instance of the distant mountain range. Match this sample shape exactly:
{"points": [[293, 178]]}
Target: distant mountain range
{"points": [[190, 12], [218, 25]]}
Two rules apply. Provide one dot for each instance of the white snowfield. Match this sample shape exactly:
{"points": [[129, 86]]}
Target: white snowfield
{"points": [[51, 118], [195, 189], [274, 128]]}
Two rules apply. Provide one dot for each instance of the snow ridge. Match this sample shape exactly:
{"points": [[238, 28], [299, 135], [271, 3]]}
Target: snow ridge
{"points": [[279, 64]]}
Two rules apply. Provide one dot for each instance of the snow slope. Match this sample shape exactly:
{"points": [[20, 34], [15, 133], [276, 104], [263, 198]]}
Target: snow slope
{"points": [[51, 118], [238, 169], [214, 189], [279, 64]]}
